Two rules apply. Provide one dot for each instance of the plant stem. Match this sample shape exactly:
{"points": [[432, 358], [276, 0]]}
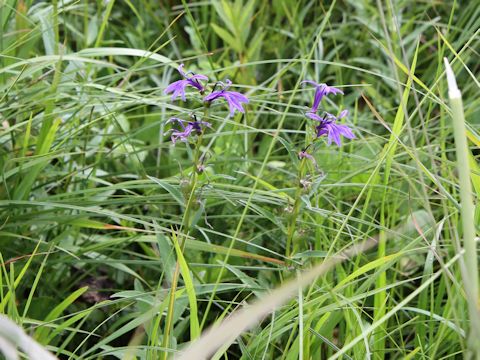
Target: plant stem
{"points": [[295, 211], [184, 228]]}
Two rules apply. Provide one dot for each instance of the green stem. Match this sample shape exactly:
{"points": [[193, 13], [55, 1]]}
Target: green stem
{"points": [[295, 211], [184, 228]]}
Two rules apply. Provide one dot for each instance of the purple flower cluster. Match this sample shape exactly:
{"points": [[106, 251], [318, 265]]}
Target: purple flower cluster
{"points": [[328, 123], [177, 88], [191, 127]]}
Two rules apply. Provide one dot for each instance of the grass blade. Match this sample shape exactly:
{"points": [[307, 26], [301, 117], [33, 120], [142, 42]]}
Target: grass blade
{"points": [[467, 210]]}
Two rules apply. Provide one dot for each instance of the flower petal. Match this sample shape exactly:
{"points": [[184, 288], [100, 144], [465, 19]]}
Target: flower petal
{"points": [[181, 71], [212, 96], [333, 134], [346, 131], [199, 77], [319, 94], [313, 116], [342, 114], [311, 83], [178, 89], [332, 90]]}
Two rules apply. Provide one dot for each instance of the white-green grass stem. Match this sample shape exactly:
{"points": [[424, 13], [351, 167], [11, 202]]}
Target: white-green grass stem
{"points": [[467, 210]]}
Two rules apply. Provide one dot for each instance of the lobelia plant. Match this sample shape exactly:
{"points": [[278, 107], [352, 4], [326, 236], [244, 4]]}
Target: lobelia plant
{"points": [[326, 126], [188, 130]]}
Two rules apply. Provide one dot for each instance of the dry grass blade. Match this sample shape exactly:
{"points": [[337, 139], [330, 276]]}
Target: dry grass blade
{"points": [[12, 336]]}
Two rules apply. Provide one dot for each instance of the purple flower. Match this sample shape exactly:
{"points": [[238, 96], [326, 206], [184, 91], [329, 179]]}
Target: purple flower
{"points": [[195, 127], [234, 99], [329, 127], [178, 87], [320, 91], [305, 155]]}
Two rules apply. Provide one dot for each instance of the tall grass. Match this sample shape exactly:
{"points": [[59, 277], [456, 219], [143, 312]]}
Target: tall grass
{"points": [[112, 245]]}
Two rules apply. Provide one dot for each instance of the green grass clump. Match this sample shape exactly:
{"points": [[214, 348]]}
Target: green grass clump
{"points": [[114, 243]]}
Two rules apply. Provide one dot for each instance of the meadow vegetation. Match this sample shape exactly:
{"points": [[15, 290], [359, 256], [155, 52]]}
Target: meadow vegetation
{"points": [[131, 221]]}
